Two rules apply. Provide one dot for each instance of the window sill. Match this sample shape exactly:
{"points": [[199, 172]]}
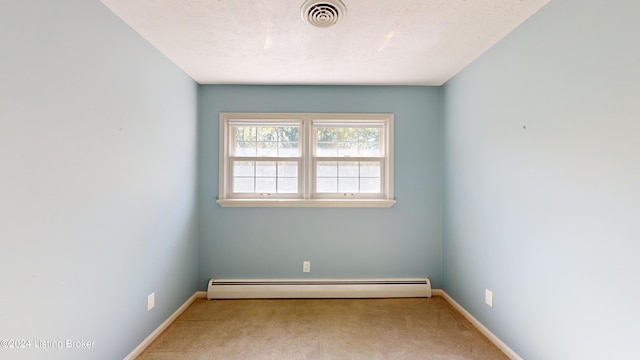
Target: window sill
{"points": [[326, 203]]}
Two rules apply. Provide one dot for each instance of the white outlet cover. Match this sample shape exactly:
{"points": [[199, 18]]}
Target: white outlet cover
{"points": [[488, 297], [151, 301], [306, 266]]}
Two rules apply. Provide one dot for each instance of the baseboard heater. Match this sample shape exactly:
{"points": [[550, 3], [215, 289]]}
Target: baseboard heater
{"points": [[316, 289]]}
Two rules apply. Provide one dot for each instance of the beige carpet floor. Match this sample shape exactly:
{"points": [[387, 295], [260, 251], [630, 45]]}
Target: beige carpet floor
{"points": [[418, 328]]}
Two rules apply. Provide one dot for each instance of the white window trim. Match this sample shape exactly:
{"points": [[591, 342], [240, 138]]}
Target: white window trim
{"points": [[306, 180]]}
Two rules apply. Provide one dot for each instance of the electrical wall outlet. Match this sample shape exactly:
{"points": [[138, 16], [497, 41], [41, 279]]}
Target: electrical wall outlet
{"points": [[488, 297], [306, 266], [151, 301]]}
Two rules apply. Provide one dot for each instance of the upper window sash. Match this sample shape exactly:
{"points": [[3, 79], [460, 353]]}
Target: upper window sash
{"points": [[349, 139], [265, 140]]}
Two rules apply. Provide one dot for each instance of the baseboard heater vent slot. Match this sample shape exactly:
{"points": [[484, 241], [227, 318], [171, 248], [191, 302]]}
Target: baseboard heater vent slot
{"points": [[310, 289]]}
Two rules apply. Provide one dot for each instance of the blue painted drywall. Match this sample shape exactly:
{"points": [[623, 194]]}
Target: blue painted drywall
{"points": [[542, 176], [401, 241], [97, 184]]}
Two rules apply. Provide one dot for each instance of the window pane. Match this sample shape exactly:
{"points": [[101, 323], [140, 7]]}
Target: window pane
{"points": [[370, 185], [288, 185], [267, 134], [243, 169], [245, 143], [326, 149], [266, 148], [244, 148], [287, 134], [266, 185], [288, 149], [348, 169], [287, 169], [371, 149], [287, 177], [370, 169], [326, 140], [327, 185], [266, 169], [243, 185], [348, 185], [348, 149], [327, 169], [245, 133]]}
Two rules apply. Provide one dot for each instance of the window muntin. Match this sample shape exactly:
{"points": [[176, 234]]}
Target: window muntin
{"points": [[306, 160]]}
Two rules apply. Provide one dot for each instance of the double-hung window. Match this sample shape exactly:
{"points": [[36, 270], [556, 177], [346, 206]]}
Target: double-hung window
{"points": [[306, 160]]}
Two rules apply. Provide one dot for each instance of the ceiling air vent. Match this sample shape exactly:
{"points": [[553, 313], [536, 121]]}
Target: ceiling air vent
{"points": [[323, 13]]}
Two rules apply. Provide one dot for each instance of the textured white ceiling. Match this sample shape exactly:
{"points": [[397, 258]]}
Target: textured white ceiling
{"points": [[378, 42]]}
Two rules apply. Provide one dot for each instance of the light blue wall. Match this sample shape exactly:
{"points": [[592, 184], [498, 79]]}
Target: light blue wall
{"points": [[401, 241], [97, 184], [548, 216]]}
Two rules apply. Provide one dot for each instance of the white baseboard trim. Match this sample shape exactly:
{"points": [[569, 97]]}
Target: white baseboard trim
{"points": [[483, 329], [165, 324]]}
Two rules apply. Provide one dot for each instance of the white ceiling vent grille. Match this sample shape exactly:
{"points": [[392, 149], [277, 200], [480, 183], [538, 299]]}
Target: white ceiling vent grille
{"points": [[323, 13]]}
